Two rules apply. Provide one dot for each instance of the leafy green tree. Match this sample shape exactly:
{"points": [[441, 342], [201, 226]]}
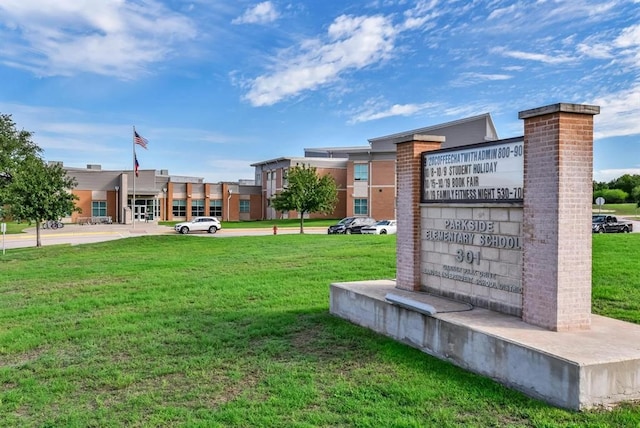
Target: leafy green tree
{"points": [[625, 183], [306, 192], [15, 147], [635, 195], [611, 196], [599, 185], [40, 191]]}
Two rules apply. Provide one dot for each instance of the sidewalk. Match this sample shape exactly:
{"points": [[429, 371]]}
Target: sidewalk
{"points": [[75, 234]]}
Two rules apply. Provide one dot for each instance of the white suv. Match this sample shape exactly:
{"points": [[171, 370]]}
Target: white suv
{"points": [[199, 224]]}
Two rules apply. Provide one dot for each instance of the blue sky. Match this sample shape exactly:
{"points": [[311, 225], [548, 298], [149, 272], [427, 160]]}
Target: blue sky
{"points": [[217, 85]]}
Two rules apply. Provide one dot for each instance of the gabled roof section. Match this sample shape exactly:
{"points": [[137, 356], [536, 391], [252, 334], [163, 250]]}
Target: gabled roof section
{"points": [[462, 132]]}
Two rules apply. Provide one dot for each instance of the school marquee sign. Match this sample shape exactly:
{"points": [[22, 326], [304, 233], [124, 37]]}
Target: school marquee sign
{"points": [[486, 172]]}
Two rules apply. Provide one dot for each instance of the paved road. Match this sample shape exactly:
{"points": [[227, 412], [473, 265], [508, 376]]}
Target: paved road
{"points": [[74, 234]]}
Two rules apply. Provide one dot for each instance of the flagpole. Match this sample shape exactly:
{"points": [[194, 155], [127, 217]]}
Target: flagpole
{"points": [[133, 200]]}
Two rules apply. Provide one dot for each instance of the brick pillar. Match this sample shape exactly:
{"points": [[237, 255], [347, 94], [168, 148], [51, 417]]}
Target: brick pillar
{"points": [[408, 182], [558, 168]]}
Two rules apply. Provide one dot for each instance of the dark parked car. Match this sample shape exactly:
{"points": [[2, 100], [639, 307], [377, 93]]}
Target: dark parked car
{"points": [[350, 225], [610, 224]]}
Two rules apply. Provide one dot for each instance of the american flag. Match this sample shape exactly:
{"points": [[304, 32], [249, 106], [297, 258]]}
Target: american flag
{"points": [[140, 140], [137, 164]]}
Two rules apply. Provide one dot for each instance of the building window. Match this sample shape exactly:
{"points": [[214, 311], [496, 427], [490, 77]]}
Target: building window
{"points": [[179, 208], [215, 207], [245, 206], [98, 208], [197, 207], [360, 207], [361, 172]]}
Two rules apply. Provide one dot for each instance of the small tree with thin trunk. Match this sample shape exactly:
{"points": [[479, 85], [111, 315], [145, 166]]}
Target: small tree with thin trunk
{"points": [[306, 192], [39, 192]]}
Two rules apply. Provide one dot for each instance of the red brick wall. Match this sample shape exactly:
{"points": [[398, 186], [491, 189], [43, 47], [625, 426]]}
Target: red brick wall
{"points": [[408, 239], [84, 203], [382, 202], [558, 168]]}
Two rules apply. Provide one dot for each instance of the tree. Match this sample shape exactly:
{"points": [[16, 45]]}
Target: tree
{"points": [[599, 185], [15, 147], [306, 192], [626, 183], [40, 191], [635, 195], [612, 196]]}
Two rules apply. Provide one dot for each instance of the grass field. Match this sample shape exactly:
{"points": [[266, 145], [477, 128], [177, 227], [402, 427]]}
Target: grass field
{"points": [[168, 331], [626, 210]]}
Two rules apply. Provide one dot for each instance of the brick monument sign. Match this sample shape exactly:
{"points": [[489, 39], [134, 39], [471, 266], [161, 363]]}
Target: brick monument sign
{"points": [[494, 263]]}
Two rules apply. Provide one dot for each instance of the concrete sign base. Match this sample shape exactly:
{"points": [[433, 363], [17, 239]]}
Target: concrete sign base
{"points": [[578, 369]]}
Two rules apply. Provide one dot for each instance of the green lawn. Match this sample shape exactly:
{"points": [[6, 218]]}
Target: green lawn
{"points": [[626, 210], [13, 227], [235, 332]]}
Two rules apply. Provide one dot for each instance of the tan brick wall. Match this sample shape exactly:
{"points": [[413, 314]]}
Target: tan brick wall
{"points": [[558, 168]]}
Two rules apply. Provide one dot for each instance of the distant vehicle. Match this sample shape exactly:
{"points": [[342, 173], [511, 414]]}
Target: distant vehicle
{"points": [[383, 227], [609, 224], [199, 224], [350, 225]]}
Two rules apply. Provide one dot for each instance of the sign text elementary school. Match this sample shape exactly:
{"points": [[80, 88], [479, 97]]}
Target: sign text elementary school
{"points": [[486, 172]]}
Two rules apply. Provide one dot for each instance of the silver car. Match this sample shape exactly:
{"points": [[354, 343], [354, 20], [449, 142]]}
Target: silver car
{"points": [[199, 224]]}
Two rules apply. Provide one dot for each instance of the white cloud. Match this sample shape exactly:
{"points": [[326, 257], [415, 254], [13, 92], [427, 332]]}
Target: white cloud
{"points": [[350, 44], [629, 44], [262, 13], [597, 50], [619, 113], [606, 175], [64, 37], [374, 111], [466, 79], [532, 56], [353, 43], [425, 11], [507, 12]]}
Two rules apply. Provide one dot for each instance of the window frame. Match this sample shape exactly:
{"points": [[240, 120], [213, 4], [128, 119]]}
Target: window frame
{"points": [[359, 173], [197, 207], [99, 208], [179, 208], [215, 208], [358, 206]]}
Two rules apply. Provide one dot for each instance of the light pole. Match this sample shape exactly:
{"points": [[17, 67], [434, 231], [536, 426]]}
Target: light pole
{"points": [[166, 204], [117, 203]]}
